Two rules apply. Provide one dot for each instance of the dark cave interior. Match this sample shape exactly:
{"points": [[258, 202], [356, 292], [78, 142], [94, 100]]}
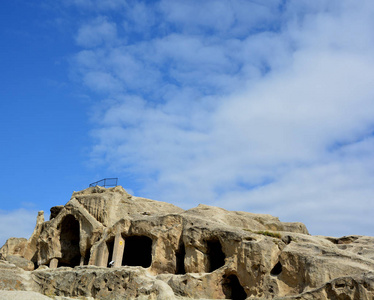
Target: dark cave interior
{"points": [[138, 251], [216, 257], [69, 240]]}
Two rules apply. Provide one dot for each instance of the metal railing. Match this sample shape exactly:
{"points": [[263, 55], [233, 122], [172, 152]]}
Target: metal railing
{"points": [[105, 182]]}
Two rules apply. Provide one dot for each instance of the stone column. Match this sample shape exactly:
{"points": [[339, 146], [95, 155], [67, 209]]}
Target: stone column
{"points": [[119, 246], [82, 261], [102, 255], [195, 261], [53, 264]]}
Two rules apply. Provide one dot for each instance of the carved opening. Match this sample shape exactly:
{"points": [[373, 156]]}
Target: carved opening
{"points": [[138, 251], [87, 256], [277, 269], [69, 240], [216, 257], [180, 255], [233, 289], [110, 247]]}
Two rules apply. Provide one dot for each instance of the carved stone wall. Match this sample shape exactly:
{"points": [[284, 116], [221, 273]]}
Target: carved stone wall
{"points": [[204, 252]]}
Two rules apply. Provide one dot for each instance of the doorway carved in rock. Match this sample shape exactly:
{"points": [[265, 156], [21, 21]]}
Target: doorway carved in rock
{"points": [[215, 255], [138, 251], [69, 241]]}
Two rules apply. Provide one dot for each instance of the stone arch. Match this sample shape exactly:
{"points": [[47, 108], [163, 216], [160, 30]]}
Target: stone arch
{"points": [[215, 255], [232, 288], [69, 241], [138, 251]]}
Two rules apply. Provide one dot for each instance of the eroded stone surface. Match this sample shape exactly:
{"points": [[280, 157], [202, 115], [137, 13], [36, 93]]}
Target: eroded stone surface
{"points": [[13, 278], [20, 262], [160, 251], [22, 295], [102, 283], [14, 246]]}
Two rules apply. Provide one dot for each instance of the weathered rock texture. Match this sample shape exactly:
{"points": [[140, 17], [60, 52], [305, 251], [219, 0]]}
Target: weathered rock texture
{"points": [[107, 244]]}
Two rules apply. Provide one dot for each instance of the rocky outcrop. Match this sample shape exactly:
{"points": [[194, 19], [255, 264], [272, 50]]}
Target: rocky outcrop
{"points": [[20, 262], [14, 246], [107, 244], [102, 283], [13, 278]]}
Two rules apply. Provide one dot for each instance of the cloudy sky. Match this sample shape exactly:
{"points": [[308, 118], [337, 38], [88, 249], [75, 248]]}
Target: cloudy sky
{"points": [[258, 106]]}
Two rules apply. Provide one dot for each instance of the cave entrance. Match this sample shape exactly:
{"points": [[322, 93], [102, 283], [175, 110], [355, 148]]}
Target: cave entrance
{"points": [[138, 251], [233, 289], [69, 241], [277, 269], [216, 257], [180, 255], [110, 247]]}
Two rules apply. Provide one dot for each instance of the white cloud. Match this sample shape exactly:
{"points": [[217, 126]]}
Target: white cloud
{"points": [[331, 196], [17, 223], [271, 113], [96, 32]]}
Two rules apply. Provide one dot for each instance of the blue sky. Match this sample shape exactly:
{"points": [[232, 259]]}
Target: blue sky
{"points": [[259, 106]]}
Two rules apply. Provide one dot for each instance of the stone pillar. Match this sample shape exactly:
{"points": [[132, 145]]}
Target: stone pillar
{"points": [[119, 246], [82, 261], [53, 264], [195, 261], [102, 255]]}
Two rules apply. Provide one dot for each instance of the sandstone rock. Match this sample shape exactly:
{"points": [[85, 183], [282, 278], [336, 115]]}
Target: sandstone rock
{"points": [[13, 278], [20, 262], [160, 251], [350, 288], [14, 246], [22, 295], [55, 210], [25, 249], [32, 243], [102, 283], [243, 220]]}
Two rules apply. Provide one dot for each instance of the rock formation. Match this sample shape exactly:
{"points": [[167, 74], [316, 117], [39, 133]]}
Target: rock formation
{"points": [[107, 244]]}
